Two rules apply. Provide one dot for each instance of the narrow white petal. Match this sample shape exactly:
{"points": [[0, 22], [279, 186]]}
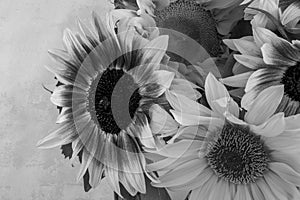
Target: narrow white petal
{"points": [[96, 169], [111, 170], [86, 160], [64, 134]]}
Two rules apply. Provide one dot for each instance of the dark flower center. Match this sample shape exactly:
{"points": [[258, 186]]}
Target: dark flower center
{"points": [[291, 82], [116, 100], [189, 18], [238, 155]]}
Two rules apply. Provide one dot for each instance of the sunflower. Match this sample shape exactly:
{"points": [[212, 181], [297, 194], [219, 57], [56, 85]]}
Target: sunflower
{"points": [[286, 13], [107, 83], [227, 152], [269, 60], [202, 21]]}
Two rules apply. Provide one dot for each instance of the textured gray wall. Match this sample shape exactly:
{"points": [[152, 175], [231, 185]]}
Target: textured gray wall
{"points": [[28, 28]]}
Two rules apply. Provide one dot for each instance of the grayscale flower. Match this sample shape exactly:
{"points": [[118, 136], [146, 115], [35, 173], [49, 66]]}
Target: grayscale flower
{"points": [[229, 153]]}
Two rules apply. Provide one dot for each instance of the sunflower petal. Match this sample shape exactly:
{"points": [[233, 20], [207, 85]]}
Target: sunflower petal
{"points": [[188, 171], [291, 13], [289, 159], [111, 164], [263, 35], [162, 77], [131, 172], [286, 173], [264, 105], [65, 115], [292, 122], [180, 149], [143, 132], [251, 62], [247, 47], [65, 134], [90, 147], [263, 186], [239, 80], [216, 91], [208, 187], [63, 95], [242, 193], [274, 183], [186, 105], [73, 46], [256, 192], [272, 127], [185, 88], [190, 119], [161, 121], [86, 160], [96, 169], [271, 56], [155, 50]]}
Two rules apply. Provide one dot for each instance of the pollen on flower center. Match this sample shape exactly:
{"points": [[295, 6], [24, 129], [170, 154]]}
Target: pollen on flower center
{"points": [[238, 155], [189, 18], [115, 96], [291, 82]]}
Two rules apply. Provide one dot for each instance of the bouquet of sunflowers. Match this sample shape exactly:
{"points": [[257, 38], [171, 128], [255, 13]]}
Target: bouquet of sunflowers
{"points": [[183, 99]]}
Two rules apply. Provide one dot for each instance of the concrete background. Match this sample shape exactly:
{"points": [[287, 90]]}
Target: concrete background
{"points": [[28, 28]]}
